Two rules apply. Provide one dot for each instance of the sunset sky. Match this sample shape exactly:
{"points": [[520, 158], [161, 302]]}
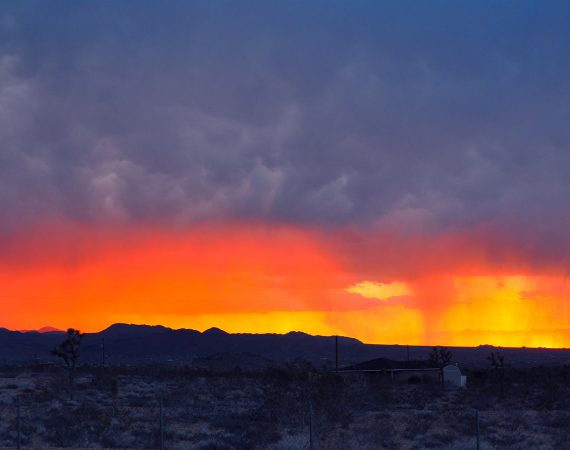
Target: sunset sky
{"points": [[395, 171]]}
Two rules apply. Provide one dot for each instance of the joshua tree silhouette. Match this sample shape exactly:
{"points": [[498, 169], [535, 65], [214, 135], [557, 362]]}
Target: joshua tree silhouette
{"points": [[69, 350], [497, 361], [440, 357]]}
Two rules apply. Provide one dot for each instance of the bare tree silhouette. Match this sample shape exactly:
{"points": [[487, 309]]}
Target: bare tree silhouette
{"points": [[497, 361]]}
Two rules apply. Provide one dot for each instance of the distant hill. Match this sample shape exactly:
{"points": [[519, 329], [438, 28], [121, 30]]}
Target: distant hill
{"points": [[136, 344], [46, 329]]}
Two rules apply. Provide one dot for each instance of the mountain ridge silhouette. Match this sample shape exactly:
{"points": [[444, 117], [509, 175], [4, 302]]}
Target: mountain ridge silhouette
{"points": [[149, 344]]}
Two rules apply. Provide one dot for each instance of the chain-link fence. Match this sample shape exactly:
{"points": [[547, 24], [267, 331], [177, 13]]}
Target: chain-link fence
{"points": [[80, 425], [157, 424], [273, 410]]}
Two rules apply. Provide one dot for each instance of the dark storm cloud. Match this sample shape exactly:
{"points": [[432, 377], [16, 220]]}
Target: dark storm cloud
{"points": [[406, 115]]}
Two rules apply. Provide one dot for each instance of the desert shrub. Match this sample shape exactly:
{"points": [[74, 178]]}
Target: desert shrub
{"points": [[378, 431], [384, 396], [134, 400], [332, 401], [557, 419], [462, 422], [376, 380], [244, 432], [418, 425], [414, 380], [76, 426], [115, 437], [11, 371], [548, 396], [482, 398], [278, 376], [28, 427], [438, 439], [418, 396], [49, 389], [478, 376], [213, 445], [504, 430], [504, 439], [517, 422]]}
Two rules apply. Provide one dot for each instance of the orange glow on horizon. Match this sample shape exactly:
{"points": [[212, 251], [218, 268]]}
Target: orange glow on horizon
{"points": [[257, 279]]}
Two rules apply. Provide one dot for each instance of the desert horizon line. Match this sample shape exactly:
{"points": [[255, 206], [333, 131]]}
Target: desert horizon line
{"points": [[50, 329]]}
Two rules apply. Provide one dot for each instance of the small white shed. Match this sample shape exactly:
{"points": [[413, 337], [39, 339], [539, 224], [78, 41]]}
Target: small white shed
{"points": [[452, 376]]}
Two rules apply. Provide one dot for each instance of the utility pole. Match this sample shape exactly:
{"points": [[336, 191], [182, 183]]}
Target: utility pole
{"points": [[336, 353], [103, 352]]}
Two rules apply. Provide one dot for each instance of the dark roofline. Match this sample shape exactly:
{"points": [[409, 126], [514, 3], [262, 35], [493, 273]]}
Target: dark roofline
{"points": [[431, 369]]}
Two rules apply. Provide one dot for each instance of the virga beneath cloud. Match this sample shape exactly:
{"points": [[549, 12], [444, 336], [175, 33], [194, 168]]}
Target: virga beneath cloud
{"points": [[419, 145]]}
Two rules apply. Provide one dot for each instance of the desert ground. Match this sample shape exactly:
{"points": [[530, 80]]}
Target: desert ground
{"points": [[289, 407]]}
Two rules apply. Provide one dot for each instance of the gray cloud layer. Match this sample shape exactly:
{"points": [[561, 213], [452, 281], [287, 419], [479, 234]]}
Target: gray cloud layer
{"points": [[408, 115]]}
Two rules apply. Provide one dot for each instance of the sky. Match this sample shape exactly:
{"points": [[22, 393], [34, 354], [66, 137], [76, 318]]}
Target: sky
{"points": [[395, 171]]}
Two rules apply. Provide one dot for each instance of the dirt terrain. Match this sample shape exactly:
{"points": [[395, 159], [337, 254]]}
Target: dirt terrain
{"points": [[279, 408]]}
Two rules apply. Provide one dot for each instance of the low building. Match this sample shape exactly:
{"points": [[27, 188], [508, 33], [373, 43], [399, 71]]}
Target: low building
{"points": [[453, 377], [410, 372]]}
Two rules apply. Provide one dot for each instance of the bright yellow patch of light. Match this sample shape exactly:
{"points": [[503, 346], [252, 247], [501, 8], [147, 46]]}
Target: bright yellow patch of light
{"points": [[380, 291], [490, 309]]}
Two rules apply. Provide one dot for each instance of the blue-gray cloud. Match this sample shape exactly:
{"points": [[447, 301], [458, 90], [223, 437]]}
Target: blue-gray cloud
{"points": [[409, 115]]}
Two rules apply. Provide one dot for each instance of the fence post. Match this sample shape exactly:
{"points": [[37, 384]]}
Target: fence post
{"points": [[310, 425], [18, 425], [477, 425], [161, 425]]}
